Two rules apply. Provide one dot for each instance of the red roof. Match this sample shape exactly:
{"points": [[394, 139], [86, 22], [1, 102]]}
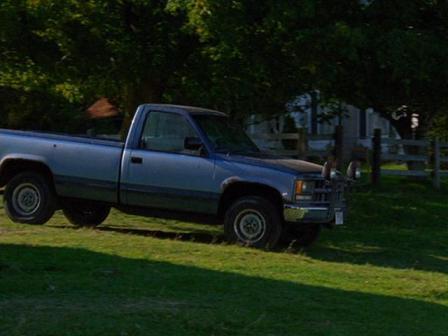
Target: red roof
{"points": [[102, 108]]}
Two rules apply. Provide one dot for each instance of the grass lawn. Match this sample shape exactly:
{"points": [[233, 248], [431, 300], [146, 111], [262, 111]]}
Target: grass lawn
{"points": [[384, 273]]}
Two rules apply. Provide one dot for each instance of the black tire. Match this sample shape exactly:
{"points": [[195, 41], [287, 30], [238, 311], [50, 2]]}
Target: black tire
{"points": [[304, 235], [85, 213], [30, 199], [253, 221]]}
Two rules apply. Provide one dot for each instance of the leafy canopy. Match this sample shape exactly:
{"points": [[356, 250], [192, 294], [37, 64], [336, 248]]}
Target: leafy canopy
{"points": [[239, 56]]}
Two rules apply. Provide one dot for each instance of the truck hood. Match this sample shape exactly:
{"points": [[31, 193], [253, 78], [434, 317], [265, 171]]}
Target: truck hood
{"points": [[275, 162]]}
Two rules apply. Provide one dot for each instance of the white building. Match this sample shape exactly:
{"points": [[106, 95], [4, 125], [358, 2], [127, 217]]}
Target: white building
{"points": [[319, 121]]}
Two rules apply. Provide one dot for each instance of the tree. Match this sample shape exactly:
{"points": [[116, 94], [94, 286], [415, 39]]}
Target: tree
{"points": [[242, 57], [261, 53], [80, 50], [391, 55]]}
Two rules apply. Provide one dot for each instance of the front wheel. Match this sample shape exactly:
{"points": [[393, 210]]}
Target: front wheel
{"points": [[29, 199], [85, 213], [253, 221]]}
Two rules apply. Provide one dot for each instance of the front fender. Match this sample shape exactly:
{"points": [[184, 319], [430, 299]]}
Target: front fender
{"points": [[255, 181]]}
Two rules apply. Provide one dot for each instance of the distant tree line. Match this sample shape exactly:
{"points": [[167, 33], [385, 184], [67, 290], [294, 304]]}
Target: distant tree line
{"points": [[241, 57]]}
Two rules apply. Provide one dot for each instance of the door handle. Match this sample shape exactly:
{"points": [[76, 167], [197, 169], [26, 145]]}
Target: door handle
{"points": [[136, 160]]}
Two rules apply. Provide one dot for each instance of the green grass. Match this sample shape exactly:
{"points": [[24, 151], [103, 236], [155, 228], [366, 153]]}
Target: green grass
{"points": [[394, 166], [384, 273]]}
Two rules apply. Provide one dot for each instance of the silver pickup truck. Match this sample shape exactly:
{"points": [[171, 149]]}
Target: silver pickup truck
{"points": [[177, 161]]}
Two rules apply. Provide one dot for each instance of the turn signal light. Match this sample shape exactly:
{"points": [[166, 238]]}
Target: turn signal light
{"points": [[304, 190], [299, 187]]}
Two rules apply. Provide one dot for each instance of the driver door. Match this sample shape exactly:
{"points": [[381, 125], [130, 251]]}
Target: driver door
{"points": [[161, 173]]}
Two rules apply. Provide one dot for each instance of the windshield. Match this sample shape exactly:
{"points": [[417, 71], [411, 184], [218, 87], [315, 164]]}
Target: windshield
{"points": [[225, 136]]}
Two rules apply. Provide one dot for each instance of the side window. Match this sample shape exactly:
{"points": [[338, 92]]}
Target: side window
{"points": [[166, 132]]}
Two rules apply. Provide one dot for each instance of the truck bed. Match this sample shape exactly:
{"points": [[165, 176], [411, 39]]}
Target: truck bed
{"points": [[63, 137], [82, 166]]}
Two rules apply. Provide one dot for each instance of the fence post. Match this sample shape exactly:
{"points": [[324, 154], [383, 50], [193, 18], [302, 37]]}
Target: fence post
{"points": [[302, 143], [436, 168], [376, 156], [339, 146]]}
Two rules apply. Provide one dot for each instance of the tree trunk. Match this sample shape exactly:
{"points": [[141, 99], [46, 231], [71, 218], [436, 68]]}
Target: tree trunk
{"points": [[136, 95]]}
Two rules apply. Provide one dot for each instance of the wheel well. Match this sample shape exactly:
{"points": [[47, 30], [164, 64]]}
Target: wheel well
{"points": [[241, 189], [14, 167]]}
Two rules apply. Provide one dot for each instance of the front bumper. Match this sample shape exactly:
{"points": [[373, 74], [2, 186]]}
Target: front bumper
{"points": [[294, 213], [327, 200]]}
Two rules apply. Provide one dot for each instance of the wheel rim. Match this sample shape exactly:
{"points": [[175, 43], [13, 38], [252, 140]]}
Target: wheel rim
{"points": [[250, 226], [26, 199]]}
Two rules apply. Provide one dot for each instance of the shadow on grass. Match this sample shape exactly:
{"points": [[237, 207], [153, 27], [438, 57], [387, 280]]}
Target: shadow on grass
{"points": [[380, 246], [49, 291], [399, 225], [192, 236], [385, 248], [200, 237]]}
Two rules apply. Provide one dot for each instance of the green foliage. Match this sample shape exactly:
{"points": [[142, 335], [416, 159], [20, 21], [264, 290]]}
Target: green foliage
{"points": [[439, 128], [249, 48], [391, 54], [82, 50], [39, 110], [241, 57]]}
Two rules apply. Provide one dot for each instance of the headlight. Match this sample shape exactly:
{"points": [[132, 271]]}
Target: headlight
{"points": [[304, 190]]}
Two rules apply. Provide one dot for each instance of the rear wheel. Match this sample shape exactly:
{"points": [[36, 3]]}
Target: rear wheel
{"points": [[253, 221], [29, 199], [85, 213]]}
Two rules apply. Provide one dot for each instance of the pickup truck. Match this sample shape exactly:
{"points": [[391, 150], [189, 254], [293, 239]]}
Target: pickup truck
{"points": [[176, 162]]}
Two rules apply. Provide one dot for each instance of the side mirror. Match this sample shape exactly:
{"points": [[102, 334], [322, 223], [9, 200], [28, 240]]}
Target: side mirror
{"points": [[193, 143], [354, 170], [328, 172]]}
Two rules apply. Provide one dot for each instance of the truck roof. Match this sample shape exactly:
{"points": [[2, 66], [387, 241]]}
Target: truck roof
{"points": [[184, 109]]}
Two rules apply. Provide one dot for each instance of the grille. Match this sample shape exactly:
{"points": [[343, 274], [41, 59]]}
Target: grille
{"points": [[321, 192], [324, 190]]}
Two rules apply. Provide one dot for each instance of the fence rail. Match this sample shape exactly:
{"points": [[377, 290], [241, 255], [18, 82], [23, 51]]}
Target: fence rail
{"points": [[290, 136], [404, 157], [405, 142], [411, 173], [427, 154], [302, 149], [425, 157]]}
